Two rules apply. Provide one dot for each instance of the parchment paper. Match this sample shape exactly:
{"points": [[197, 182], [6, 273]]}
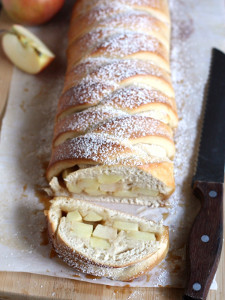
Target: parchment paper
{"points": [[26, 142]]}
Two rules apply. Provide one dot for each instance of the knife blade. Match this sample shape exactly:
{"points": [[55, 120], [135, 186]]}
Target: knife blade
{"points": [[206, 236]]}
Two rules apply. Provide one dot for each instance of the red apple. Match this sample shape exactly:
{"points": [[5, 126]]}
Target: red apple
{"points": [[32, 12]]}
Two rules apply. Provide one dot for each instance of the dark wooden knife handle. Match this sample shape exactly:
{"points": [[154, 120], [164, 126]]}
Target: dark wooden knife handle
{"points": [[205, 240]]}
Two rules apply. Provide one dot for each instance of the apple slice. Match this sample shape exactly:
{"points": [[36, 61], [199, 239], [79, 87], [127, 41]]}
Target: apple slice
{"points": [[93, 192], [99, 243], [106, 179], [90, 183], [105, 232], [121, 225], [73, 188], [25, 50], [141, 236], [74, 216], [92, 217], [123, 193], [146, 192], [81, 230]]}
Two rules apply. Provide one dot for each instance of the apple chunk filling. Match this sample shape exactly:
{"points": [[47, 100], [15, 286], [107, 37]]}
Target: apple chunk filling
{"points": [[92, 217], [99, 243], [105, 232], [140, 235], [101, 232], [125, 225], [74, 216], [109, 185], [81, 229]]}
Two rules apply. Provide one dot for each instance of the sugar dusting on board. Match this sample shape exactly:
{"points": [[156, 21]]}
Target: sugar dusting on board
{"points": [[28, 127]]}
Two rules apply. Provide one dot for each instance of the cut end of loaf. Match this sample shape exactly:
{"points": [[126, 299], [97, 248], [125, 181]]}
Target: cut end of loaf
{"points": [[144, 185], [104, 242]]}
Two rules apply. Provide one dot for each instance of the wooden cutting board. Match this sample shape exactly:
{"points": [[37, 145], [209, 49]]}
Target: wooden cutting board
{"points": [[31, 286]]}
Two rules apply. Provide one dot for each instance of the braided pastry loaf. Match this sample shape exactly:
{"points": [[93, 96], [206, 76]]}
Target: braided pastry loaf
{"points": [[113, 138]]}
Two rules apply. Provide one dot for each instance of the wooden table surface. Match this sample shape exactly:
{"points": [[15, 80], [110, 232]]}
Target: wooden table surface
{"points": [[32, 286]]}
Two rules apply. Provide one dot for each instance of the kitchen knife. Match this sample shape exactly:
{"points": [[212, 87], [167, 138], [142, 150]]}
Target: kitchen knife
{"points": [[206, 236]]}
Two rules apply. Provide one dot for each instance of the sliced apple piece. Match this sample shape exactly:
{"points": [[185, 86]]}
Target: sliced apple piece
{"points": [[111, 187], [92, 192], [106, 179], [105, 232], [92, 217], [74, 216], [123, 193], [140, 235], [147, 192], [90, 183], [73, 188], [25, 50], [121, 225], [82, 230], [99, 243]]}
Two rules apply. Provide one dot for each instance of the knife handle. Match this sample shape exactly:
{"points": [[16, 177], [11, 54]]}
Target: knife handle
{"points": [[205, 240]]}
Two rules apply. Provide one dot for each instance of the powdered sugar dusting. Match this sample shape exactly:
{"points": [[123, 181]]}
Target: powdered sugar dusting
{"points": [[134, 96], [86, 92], [128, 43], [134, 127], [99, 149], [85, 81], [84, 120], [151, 3], [103, 10], [133, 20], [85, 5], [117, 70], [121, 16]]}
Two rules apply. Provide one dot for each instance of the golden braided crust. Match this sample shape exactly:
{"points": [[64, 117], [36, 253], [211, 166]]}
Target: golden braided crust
{"points": [[131, 129], [128, 20], [111, 44], [84, 95], [117, 109], [130, 99], [157, 8], [119, 73], [94, 149], [79, 123]]}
